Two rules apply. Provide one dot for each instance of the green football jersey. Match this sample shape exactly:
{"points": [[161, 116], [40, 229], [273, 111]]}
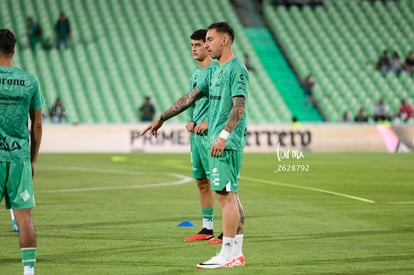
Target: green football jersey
{"points": [[19, 94], [228, 81], [198, 112]]}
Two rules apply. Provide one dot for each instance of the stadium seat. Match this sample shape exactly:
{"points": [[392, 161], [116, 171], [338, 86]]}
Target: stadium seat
{"points": [[340, 44]]}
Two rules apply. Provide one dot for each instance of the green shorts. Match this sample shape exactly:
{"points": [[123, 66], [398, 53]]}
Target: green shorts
{"points": [[16, 185], [200, 155], [225, 171]]}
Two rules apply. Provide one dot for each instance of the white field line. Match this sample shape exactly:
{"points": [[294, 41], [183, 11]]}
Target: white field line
{"points": [[310, 189], [181, 180]]}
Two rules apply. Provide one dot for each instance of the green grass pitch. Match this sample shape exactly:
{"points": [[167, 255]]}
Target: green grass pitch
{"points": [[351, 213]]}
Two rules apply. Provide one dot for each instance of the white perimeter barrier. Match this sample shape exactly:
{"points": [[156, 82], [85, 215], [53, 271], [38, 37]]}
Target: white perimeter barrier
{"points": [[261, 138]]}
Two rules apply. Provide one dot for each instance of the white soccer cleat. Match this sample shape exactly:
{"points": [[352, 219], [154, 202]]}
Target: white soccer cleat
{"points": [[218, 261]]}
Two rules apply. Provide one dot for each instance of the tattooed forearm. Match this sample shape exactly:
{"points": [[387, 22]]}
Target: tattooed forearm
{"points": [[236, 113], [182, 104]]}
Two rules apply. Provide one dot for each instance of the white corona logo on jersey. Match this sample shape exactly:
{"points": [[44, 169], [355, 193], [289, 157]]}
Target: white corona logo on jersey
{"points": [[12, 82]]}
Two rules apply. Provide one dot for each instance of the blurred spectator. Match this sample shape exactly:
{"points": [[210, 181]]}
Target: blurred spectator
{"points": [[346, 117], [62, 31], [308, 86], [315, 3], [409, 62], [280, 2], [405, 111], [247, 62], [396, 64], [34, 34], [384, 63], [361, 116], [259, 5], [381, 112], [57, 112], [147, 110]]}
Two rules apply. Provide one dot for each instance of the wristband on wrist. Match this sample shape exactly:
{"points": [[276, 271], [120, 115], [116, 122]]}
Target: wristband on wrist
{"points": [[224, 134]]}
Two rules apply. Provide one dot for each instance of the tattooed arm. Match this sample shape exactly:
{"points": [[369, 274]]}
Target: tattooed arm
{"points": [[236, 113], [182, 104]]}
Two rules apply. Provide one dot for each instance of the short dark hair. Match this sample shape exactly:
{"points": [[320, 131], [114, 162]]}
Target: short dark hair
{"points": [[223, 27], [199, 35], [7, 41]]}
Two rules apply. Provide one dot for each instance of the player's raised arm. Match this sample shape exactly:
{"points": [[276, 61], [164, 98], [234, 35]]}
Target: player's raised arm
{"points": [[179, 106]]}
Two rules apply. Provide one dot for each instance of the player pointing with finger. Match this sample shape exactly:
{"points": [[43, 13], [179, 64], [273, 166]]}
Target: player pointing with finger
{"points": [[228, 94]]}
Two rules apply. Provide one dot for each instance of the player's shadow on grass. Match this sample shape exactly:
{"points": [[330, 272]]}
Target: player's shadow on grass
{"points": [[332, 235], [173, 220], [9, 260], [362, 259]]}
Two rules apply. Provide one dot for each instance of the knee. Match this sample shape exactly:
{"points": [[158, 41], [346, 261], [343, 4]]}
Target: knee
{"points": [[226, 198], [23, 217], [203, 185]]}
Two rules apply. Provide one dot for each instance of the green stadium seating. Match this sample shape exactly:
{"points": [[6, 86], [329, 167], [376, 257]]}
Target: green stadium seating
{"points": [[123, 50], [340, 44]]}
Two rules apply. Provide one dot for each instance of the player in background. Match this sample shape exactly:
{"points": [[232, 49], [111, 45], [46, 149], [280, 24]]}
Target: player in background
{"points": [[197, 125], [228, 93], [20, 97]]}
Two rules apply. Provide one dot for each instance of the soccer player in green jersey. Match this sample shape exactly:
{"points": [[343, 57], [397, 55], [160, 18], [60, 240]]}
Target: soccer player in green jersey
{"points": [[228, 93], [197, 124], [20, 97]]}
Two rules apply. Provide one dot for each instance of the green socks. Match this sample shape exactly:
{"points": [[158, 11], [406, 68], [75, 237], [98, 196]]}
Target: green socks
{"points": [[29, 256]]}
